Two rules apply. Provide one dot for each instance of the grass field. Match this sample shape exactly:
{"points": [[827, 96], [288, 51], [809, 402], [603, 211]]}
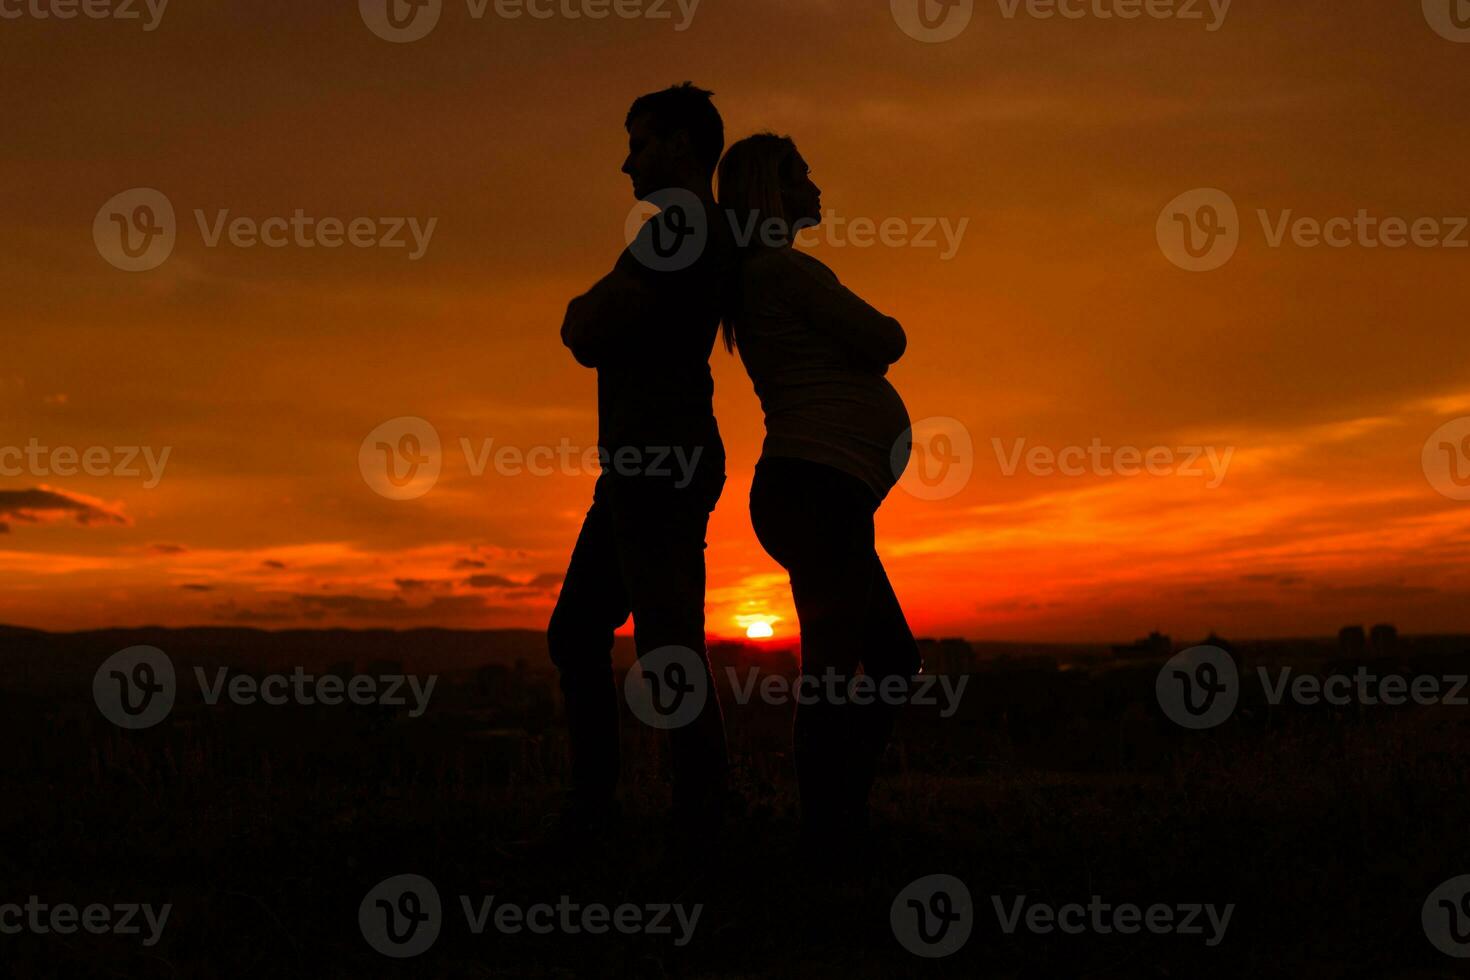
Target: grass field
{"points": [[264, 828]]}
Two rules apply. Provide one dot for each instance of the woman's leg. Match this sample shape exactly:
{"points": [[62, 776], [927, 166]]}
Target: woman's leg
{"points": [[891, 658], [817, 524]]}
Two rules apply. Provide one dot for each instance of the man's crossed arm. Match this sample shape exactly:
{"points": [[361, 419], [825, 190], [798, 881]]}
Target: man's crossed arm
{"points": [[607, 315]]}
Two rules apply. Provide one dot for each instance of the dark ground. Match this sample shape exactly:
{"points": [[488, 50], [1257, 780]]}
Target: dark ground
{"points": [[265, 827]]}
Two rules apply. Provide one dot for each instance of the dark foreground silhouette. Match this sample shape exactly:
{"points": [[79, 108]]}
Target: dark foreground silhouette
{"points": [[1058, 778]]}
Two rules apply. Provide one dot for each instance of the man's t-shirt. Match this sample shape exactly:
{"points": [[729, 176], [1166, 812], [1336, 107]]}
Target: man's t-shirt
{"points": [[654, 388]]}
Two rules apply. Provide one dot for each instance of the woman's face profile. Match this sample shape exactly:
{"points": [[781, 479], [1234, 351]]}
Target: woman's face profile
{"points": [[800, 195]]}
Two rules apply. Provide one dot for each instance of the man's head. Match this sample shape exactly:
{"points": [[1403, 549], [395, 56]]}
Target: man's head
{"points": [[675, 138]]}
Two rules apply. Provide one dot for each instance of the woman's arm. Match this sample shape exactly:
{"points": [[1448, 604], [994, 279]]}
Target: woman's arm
{"points": [[837, 311]]}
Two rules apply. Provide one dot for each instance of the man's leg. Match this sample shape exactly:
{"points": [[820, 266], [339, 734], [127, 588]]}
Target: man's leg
{"points": [[661, 543], [593, 603]]}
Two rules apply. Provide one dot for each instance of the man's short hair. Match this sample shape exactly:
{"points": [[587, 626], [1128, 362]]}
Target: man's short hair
{"points": [[690, 109]]}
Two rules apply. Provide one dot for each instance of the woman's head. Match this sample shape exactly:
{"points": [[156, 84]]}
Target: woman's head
{"points": [[767, 193], [767, 190]]}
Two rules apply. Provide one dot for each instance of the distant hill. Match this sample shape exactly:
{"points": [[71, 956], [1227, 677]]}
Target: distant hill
{"points": [[36, 654]]}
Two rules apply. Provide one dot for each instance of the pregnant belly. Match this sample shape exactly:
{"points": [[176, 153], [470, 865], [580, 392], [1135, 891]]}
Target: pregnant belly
{"points": [[865, 411]]}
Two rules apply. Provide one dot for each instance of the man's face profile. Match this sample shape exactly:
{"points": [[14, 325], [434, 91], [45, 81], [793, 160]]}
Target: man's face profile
{"points": [[650, 158]]}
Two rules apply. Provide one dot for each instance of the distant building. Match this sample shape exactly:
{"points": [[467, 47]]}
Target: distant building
{"points": [[741, 657], [1153, 646], [1384, 639], [951, 655], [1216, 640], [492, 679], [1352, 641]]}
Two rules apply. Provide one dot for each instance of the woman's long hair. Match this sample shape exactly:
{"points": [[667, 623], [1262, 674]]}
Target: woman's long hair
{"points": [[751, 176]]}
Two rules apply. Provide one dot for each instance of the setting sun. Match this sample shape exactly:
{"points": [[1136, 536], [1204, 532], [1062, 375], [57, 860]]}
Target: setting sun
{"points": [[760, 630]]}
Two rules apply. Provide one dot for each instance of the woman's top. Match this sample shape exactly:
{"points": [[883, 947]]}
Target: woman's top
{"points": [[817, 354]]}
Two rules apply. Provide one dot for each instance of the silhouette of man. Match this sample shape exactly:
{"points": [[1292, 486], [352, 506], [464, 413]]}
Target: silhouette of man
{"points": [[648, 327]]}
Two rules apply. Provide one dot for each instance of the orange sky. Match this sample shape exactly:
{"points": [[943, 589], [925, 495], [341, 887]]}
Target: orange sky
{"points": [[1058, 321]]}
